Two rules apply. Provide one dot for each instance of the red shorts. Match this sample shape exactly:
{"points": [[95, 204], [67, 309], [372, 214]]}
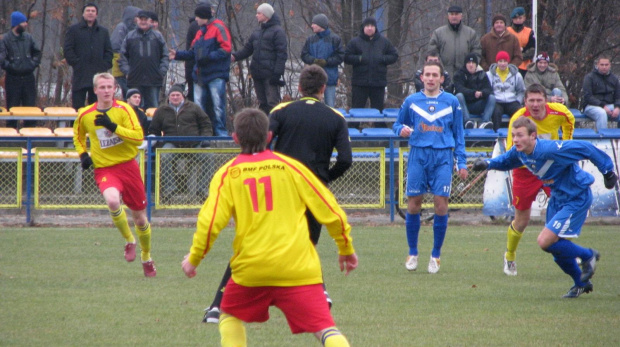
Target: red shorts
{"points": [[125, 177], [525, 187], [304, 307]]}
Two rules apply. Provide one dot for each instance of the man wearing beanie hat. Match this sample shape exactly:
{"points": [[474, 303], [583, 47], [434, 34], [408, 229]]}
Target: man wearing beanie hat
{"points": [[525, 35], [324, 49], [87, 59], [19, 57], [370, 53], [210, 50], [454, 41], [499, 39], [268, 48], [474, 91], [180, 117], [508, 87], [545, 73], [134, 99]]}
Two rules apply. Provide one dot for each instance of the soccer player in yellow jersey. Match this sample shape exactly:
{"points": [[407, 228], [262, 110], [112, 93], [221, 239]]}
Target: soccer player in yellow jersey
{"points": [[549, 119], [114, 134], [274, 262]]}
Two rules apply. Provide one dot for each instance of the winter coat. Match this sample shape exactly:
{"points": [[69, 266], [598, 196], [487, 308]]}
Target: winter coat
{"points": [[492, 43], [468, 84], [453, 45], [328, 46], [191, 120], [267, 46], [370, 57], [549, 79], [189, 38], [19, 55], [447, 85], [527, 41], [118, 35], [144, 58], [600, 90], [211, 51], [89, 51], [513, 89]]}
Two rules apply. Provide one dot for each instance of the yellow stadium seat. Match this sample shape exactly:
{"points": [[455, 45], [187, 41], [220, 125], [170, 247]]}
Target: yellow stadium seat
{"points": [[9, 132], [26, 111], [150, 111], [36, 131], [64, 132], [60, 111], [4, 112]]}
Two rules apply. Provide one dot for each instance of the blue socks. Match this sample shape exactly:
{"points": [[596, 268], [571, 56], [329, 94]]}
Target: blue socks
{"points": [[564, 254], [412, 227], [440, 226]]}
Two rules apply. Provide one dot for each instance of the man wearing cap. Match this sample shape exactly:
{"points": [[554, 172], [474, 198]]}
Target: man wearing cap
{"points": [[526, 38], [325, 50], [454, 41], [19, 57], [508, 87], [601, 94], [267, 46], [474, 91], [180, 117], [370, 53], [499, 39], [87, 59], [546, 74], [153, 20], [210, 50]]}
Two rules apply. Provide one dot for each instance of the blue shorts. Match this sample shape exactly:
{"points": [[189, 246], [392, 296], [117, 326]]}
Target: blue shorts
{"points": [[429, 170], [566, 214]]}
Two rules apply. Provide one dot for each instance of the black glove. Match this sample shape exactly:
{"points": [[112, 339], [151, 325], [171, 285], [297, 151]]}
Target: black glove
{"points": [[105, 121], [275, 81], [87, 162], [480, 165], [610, 179], [320, 62]]}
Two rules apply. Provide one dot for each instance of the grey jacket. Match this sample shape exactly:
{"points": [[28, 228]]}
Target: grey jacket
{"points": [[510, 90], [549, 79], [453, 46]]}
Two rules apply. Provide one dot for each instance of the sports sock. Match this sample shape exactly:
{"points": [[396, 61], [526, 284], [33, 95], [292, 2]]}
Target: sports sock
{"points": [[144, 235], [440, 226], [571, 268], [512, 242], [119, 217], [232, 331], [332, 337], [412, 227], [564, 248], [217, 301]]}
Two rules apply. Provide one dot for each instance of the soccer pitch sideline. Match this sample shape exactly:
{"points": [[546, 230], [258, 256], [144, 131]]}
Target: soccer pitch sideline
{"points": [[70, 287]]}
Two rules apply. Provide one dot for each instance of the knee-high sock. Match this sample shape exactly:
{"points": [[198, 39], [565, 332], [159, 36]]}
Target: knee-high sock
{"points": [[512, 242], [332, 337], [232, 331], [412, 227], [440, 226], [564, 253], [217, 301], [119, 217], [144, 235]]}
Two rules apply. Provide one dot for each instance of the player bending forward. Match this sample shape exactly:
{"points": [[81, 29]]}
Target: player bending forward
{"points": [[556, 164], [274, 261]]}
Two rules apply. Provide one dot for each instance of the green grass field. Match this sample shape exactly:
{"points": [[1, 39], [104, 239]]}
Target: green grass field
{"points": [[70, 287]]}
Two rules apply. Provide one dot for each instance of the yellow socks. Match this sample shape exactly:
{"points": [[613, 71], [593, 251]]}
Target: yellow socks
{"points": [[119, 217], [332, 337], [514, 236], [232, 331], [144, 235]]}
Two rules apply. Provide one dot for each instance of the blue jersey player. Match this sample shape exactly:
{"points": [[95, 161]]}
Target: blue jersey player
{"points": [[556, 164], [433, 122]]}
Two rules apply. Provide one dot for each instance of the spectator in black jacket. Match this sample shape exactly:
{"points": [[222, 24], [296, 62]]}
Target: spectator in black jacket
{"points": [[134, 99], [267, 46], [89, 51], [19, 57], [474, 91], [601, 94], [370, 54], [189, 64], [447, 85]]}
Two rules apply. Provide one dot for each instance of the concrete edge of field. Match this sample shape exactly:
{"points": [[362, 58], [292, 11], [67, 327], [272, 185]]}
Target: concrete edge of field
{"points": [[187, 218]]}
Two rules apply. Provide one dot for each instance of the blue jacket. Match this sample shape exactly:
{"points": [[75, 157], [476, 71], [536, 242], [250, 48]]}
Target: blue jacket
{"points": [[211, 51], [328, 46]]}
